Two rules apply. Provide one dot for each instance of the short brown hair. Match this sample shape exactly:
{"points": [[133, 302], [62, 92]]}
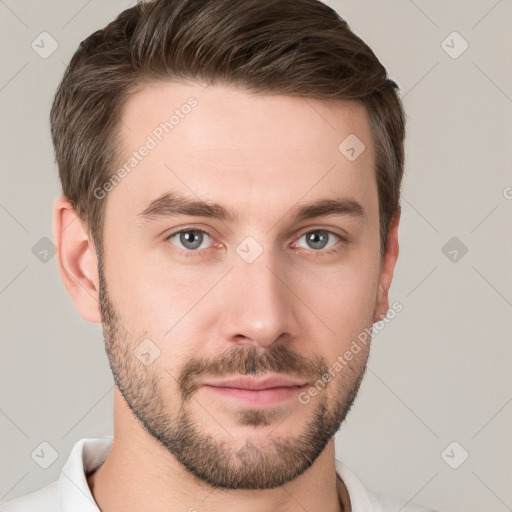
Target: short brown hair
{"points": [[292, 47]]}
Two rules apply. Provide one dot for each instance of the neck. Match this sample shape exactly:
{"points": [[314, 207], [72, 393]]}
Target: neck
{"points": [[140, 474]]}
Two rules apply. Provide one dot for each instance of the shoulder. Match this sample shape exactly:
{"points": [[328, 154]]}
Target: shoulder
{"points": [[45, 499], [71, 490], [365, 500], [386, 503]]}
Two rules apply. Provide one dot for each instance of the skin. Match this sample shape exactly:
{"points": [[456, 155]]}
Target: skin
{"points": [[260, 156]]}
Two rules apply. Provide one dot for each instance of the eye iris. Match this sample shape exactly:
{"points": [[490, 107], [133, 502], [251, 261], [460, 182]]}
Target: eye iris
{"points": [[195, 238], [317, 239]]}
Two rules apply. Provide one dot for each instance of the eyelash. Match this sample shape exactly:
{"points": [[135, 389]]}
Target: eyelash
{"points": [[201, 252]]}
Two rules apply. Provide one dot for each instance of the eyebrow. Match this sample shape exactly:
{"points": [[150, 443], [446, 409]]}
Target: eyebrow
{"points": [[172, 204]]}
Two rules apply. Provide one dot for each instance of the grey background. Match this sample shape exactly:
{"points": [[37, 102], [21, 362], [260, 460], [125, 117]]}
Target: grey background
{"points": [[438, 373]]}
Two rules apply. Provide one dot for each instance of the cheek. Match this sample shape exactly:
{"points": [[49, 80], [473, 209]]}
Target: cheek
{"points": [[149, 289], [167, 304], [342, 297], [168, 294]]}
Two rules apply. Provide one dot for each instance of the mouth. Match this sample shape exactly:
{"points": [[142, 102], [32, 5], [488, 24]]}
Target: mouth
{"points": [[257, 392]]}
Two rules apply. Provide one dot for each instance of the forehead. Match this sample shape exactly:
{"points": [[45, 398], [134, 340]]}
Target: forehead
{"points": [[241, 149]]}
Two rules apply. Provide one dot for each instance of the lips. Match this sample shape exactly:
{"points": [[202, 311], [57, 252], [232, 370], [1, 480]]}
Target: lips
{"points": [[257, 383], [256, 392]]}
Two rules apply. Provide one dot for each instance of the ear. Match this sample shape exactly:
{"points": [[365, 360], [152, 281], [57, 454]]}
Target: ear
{"points": [[78, 264], [387, 268]]}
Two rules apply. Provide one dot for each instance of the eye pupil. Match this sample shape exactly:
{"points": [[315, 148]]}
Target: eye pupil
{"points": [[318, 239], [193, 237]]}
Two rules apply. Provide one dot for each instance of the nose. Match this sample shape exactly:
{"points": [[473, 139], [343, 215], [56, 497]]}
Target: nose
{"points": [[259, 307]]}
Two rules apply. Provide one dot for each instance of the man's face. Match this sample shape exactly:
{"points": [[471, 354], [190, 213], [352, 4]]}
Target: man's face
{"points": [[190, 300]]}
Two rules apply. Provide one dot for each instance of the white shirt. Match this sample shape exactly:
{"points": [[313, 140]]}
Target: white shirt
{"points": [[71, 493]]}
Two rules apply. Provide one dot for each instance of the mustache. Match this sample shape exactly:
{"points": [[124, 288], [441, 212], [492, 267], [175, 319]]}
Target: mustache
{"points": [[248, 360]]}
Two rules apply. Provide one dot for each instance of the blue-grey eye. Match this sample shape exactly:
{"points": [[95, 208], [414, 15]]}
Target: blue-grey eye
{"points": [[190, 239], [319, 238]]}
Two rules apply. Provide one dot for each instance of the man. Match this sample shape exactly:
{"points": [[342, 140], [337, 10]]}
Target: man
{"points": [[231, 173]]}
